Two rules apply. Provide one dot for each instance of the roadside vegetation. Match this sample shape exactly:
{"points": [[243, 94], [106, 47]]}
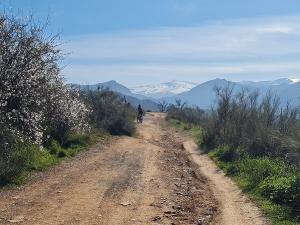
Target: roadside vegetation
{"points": [[42, 120], [109, 113], [255, 141]]}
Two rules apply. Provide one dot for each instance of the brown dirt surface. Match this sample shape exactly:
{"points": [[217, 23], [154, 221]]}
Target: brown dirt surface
{"points": [[234, 207], [147, 179]]}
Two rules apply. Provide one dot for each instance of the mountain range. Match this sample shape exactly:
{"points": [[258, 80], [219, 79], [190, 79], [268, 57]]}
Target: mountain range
{"points": [[164, 90], [111, 85], [123, 92], [202, 95]]}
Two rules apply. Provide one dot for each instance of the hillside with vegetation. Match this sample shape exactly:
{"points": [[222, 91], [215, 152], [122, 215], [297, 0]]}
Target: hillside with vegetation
{"points": [[254, 141]]}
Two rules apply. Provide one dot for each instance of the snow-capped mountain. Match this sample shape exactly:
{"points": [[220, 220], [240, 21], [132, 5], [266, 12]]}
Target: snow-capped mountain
{"points": [[282, 81], [164, 90], [203, 95]]}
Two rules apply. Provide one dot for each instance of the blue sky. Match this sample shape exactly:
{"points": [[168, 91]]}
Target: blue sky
{"points": [[151, 41]]}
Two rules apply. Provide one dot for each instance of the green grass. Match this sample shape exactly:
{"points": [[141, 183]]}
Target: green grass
{"points": [[278, 214], [42, 158], [252, 174]]}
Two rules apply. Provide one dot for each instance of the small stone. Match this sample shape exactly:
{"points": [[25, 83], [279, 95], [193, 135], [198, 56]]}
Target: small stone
{"points": [[17, 219], [177, 207], [171, 211], [125, 203], [156, 218], [16, 197]]}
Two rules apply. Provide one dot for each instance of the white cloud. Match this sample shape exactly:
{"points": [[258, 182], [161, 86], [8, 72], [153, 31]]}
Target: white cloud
{"points": [[277, 29], [258, 46]]}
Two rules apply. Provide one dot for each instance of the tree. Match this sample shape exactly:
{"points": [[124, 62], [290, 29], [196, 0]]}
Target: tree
{"points": [[35, 104], [179, 104], [163, 106]]}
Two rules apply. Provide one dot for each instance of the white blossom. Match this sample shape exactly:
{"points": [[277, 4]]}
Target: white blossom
{"points": [[33, 96]]}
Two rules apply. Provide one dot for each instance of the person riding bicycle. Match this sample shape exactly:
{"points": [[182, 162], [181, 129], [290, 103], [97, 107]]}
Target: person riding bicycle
{"points": [[141, 113]]}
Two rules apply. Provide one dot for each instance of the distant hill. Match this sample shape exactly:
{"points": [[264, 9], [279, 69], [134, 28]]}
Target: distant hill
{"points": [[282, 81], [203, 95], [111, 85], [122, 91], [163, 90], [146, 104]]}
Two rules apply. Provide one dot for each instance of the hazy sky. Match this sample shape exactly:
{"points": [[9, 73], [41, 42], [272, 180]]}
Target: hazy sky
{"points": [[151, 41]]}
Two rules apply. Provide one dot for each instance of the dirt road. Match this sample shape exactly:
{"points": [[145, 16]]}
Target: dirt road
{"points": [[234, 206], [147, 179]]}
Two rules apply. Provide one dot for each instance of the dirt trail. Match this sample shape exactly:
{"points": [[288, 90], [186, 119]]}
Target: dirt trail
{"points": [[148, 179], [234, 207], [133, 181]]}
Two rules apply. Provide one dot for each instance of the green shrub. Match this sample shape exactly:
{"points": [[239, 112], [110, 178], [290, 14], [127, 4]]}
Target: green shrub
{"points": [[228, 167], [256, 170], [209, 140], [279, 214], [61, 154], [225, 153], [110, 114], [41, 159], [282, 189], [75, 140], [189, 115], [13, 162], [121, 125], [186, 127], [264, 140], [54, 147]]}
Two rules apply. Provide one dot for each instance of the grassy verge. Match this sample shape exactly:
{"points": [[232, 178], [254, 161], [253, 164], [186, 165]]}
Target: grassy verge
{"points": [[271, 183], [193, 130], [42, 159]]}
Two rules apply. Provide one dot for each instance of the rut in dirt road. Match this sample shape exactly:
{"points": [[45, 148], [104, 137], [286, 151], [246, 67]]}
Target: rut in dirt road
{"points": [[234, 207], [147, 179]]}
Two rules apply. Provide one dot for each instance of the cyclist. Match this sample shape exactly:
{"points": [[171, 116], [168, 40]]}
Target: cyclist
{"points": [[140, 113]]}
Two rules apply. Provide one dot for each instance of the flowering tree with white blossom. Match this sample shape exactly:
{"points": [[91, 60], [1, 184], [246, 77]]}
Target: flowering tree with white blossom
{"points": [[34, 102]]}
